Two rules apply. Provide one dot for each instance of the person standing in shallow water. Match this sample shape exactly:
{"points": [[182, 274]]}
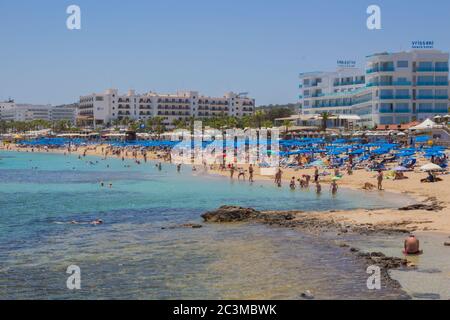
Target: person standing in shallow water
{"points": [[232, 171], [334, 188], [318, 188], [278, 176], [292, 184], [380, 180], [250, 173], [316, 174]]}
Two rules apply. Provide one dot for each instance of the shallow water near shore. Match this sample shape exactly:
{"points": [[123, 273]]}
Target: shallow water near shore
{"points": [[130, 256]]}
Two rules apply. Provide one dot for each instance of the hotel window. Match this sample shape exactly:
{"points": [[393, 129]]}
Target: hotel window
{"points": [[402, 64], [441, 92], [441, 79], [425, 93], [402, 92], [425, 79], [426, 65], [441, 66]]}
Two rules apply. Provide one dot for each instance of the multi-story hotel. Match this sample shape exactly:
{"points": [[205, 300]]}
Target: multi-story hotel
{"points": [[10, 111], [395, 88], [104, 108]]}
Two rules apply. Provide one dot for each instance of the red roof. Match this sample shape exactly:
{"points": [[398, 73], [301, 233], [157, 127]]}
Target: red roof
{"points": [[404, 126]]}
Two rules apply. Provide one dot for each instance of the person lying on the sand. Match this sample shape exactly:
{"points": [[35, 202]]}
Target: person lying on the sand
{"points": [[431, 178]]}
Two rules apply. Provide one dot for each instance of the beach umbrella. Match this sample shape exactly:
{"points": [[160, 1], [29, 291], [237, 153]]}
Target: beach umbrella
{"points": [[400, 168], [430, 167]]}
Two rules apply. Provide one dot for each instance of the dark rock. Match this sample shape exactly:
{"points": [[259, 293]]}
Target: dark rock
{"points": [[423, 206], [447, 244], [186, 225], [307, 295], [230, 214], [427, 296], [429, 270]]}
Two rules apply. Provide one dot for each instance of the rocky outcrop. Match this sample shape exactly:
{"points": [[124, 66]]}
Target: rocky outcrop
{"points": [[230, 214], [226, 214], [429, 204], [186, 225]]}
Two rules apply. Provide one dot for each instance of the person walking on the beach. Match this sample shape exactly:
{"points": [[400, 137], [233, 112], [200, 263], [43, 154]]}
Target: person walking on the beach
{"points": [[411, 245], [316, 174], [380, 180], [232, 171], [250, 173]]}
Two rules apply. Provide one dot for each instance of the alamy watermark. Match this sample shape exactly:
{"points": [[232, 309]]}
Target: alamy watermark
{"points": [[374, 19], [73, 22], [231, 146], [74, 280], [374, 281]]}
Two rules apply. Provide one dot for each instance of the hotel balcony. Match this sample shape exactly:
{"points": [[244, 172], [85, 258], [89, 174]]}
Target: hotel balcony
{"points": [[394, 97], [389, 83], [380, 69], [432, 69], [425, 83], [423, 97], [425, 69], [401, 110]]}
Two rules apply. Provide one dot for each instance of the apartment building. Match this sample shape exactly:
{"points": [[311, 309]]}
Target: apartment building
{"points": [[11, 111], [6, 108], [105, 108], [398, 88]]}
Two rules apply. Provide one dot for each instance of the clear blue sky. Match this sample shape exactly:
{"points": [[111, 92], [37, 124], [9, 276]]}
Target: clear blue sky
{"points": [[212, 46]]}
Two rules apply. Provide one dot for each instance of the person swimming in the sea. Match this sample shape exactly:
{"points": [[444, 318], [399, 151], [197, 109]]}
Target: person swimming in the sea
{"points": [[97, 222]]}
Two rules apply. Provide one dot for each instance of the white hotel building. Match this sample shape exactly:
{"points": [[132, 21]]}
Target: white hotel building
{"points": [[10, 111], [395, 88], [104, 108]]}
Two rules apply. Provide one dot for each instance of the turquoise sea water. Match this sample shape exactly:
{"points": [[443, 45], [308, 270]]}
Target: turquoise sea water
{"points": [[131, 256]]}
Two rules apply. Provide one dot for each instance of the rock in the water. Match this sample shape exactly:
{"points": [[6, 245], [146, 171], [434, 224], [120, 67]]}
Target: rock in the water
{"points": [[230, 214], [186, 225], [307, 295], [427, 296], [423, 206]]}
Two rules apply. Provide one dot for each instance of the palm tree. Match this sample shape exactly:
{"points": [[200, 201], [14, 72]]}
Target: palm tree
{"points": [[258, 118], [325, 116], [287, 124]]}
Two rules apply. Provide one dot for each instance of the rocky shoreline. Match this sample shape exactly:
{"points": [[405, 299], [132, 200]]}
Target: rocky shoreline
{"points": [[307, 222]]}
